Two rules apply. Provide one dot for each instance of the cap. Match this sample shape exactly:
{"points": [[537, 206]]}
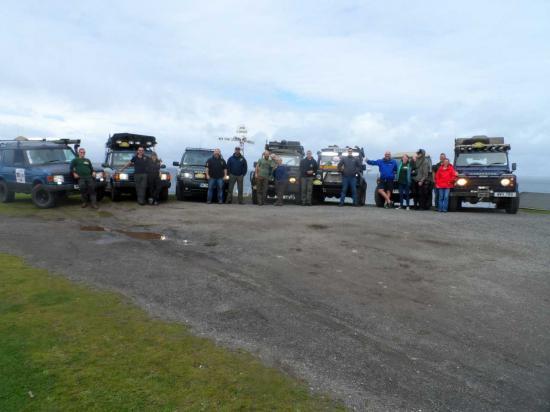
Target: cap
{"points": [[420, 151]]}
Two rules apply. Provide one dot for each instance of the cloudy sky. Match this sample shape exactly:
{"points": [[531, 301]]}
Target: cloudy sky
{"points": [[395, 75]]}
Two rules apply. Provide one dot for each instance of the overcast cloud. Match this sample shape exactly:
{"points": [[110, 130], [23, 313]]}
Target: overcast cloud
{"points": [[395, 75]]}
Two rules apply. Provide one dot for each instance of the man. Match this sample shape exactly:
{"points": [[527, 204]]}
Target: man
{"points": [[264, 170], [308, 170], [216, 173], [387, 167], [83, 171], [350, 167], [281, 180], [435, 168], [237, 168], [422, 179], [141, 166]]}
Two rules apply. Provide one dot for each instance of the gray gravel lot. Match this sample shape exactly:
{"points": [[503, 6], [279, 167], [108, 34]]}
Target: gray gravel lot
{"points": [[385, 309]]}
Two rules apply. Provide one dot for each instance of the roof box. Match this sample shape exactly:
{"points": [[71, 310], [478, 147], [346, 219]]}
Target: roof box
{"points": [[130, 141]]}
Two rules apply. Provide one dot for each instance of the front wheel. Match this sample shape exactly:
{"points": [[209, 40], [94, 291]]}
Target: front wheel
{"points": [[42, 198], [163, 196], [115, 194], [362, 197], [100, 194], [454, 203], [254, 196], [378, 199], [179, 191], [6, 195], [513, 205]]}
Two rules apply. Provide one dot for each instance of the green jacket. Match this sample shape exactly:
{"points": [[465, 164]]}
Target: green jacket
{"points": [[83, 167], [266, 167]]}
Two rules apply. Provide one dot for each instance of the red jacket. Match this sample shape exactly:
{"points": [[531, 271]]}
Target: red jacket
{"points": [[445, 178]]}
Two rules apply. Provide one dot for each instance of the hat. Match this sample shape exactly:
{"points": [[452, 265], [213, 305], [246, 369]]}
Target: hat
{"points": [[420, 151], [237, 148]]}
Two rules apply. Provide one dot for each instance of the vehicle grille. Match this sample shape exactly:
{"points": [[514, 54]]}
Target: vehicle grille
{"points": [[333, 178]]}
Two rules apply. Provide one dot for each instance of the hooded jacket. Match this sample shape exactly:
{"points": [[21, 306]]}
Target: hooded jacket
{"points": [[445, 178], [387, 168], [422, 167]]}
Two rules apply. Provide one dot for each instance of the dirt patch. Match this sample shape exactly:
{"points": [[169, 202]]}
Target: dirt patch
{"points": [[318, 226]]}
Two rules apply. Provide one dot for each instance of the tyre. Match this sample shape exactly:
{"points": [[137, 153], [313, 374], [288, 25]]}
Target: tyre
{"points": [[179, 191], [378, 199], [42, 198], [115, 194], [513, 205], [163, 196], [6, 195], [254, 196], [454, 203], [100, 194]]}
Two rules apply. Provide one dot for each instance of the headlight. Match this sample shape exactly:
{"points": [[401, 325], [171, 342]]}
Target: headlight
{"points": [[226, 178], [99, 176], [292, 180], [462, 182], [505, 182], [165, 176], [121, 176], [187, 175]]}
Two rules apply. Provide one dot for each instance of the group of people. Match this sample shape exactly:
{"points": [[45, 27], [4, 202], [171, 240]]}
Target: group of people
{"points": [[146, 176], [414, 177]]}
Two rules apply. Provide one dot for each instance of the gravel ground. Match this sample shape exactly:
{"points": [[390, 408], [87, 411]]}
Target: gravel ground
{"points": [[386, 309]]}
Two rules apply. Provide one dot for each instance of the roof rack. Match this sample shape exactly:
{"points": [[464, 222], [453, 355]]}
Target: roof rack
{"points": [[21, 139], [481, 144], [130, 141], [286, 145]]}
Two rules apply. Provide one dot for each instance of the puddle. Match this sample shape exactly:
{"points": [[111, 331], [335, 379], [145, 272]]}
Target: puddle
{"points": [[92, 228], [133, 235], [317, 226]]}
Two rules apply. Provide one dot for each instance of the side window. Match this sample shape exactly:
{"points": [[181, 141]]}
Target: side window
{"points": [[7, 157], [18, 158]]}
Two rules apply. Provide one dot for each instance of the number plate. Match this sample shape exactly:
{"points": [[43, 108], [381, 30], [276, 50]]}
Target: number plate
{"points": [[204, 185], [76, 187], [505, 194]]}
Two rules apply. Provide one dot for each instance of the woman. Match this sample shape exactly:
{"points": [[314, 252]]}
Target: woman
{"points": [[404, 180], [153, 178], [445, 178]]}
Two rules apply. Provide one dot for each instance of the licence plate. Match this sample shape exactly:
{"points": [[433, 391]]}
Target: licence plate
{"points": [[76, 187], [504, 194], [199, 176], [203, 185], [395, 191]]}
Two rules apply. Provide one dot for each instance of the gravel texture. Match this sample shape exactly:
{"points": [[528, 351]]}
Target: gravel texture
{"points": [[385, 309]]}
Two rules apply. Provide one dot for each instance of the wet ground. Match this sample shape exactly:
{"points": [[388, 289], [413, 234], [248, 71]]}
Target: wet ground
{"points": [[385, 309]]}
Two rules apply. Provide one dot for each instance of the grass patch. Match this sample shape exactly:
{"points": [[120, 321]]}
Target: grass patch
{"points": [[536, 211], [66, 347]]}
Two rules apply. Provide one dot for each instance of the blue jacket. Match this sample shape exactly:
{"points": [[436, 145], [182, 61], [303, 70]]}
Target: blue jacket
{"points": [[387, 168], [237, 165], [281, 173]]}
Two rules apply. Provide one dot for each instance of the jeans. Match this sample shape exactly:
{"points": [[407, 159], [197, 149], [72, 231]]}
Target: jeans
{"points": [[443, 205], [239, 181], [306, 184], [404, 191], [212, 183], [141, 187], [348, 181]]}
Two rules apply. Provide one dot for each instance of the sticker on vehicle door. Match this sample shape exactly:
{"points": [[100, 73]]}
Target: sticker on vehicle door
{"points": [[20, 175]]}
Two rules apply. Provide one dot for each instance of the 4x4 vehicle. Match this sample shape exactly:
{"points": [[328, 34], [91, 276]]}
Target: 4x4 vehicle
{"points": [[40, 167], [191, 177], [120, 148], [328, 182], [397, 156], [484, 174], [292, 153]]}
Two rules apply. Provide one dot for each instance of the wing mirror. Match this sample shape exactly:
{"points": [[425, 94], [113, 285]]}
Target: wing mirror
{"points": [[514, 166], [176, 164], [105, 164], [163, 166]]}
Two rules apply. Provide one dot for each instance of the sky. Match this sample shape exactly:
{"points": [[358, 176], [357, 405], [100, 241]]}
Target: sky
{"points": [[393, 75]]}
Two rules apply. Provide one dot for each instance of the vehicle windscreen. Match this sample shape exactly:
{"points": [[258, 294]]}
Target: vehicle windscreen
{"points": [[290, 160], [195, 158], [49, 155], [329, 160], [481, 159], [121, 158]]}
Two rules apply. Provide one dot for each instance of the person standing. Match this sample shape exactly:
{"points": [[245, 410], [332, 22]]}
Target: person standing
{"points": [[387, 167], [435, 167], [237, 168], [281, 181], [216, 172], [422, 179], [262, 173], [141, 164], [445, 178], [350, 167], [153, 179], [308, 170], [83, 171], [404, 180]]}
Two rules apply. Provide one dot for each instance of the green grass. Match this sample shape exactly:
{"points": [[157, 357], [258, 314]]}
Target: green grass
{"points": [[536, 211], [66, 347]]}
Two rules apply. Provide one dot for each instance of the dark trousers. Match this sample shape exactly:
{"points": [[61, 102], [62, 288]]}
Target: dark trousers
{"points": [[422, 192], [404, 191], [349, 182], [280, 189], [87, 189], [140, 180], [232, 180], [153, 186], [306, 184], [261, 189]]}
